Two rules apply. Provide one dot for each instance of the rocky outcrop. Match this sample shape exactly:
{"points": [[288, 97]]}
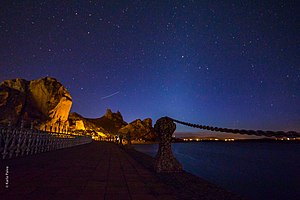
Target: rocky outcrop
{"points": [[12, 100], [139, 129], [16, 84], [111, 122], [51, 98], [79, 125], [47, 103], [113, 116], [44, 101], [83, 126], [107, 125]]}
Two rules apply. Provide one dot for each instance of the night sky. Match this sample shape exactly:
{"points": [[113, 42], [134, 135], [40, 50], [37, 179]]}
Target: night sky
{"points": [[234, 64]]}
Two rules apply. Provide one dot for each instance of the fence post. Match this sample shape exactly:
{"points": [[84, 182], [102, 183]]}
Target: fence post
{"points": [[164, 160]]}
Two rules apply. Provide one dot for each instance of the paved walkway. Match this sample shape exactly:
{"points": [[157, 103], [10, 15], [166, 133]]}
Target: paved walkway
{"points": [[92, 171], [99, 171]]}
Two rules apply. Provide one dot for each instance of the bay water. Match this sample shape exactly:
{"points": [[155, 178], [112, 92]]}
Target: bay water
{"points": [[254, 170]]}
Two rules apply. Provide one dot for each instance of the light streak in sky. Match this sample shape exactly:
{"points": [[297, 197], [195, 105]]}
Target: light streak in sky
{"points": [[113, 94]]}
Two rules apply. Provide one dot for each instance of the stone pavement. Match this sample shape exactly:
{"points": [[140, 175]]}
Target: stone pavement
{"points": [[94, 171]]}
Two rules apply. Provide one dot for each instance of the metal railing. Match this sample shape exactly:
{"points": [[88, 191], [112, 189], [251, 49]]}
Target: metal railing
{"points": [[15, 142]]}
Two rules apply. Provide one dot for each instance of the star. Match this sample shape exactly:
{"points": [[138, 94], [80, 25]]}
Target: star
{"points": [[199, 53]]}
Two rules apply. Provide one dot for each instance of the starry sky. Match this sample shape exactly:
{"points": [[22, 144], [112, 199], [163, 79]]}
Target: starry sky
{"points": [[232, 64]]}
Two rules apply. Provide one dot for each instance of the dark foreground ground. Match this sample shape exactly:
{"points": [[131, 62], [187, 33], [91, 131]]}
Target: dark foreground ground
{"points": [[98, 171]]}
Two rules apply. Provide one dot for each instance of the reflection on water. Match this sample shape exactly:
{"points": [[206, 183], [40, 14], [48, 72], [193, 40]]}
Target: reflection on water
{"points": [[255, 170]]}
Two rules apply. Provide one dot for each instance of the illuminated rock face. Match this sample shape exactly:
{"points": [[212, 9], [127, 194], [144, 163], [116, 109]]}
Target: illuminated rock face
{"points": [[107, 125], [52, 99], [79, 125], [139, 129], [45, 101]]}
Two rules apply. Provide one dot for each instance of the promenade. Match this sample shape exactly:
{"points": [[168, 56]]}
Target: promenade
{"points": [[98, 171]]}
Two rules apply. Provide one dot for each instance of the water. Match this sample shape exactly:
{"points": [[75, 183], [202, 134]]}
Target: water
{"points": [[255, 170]]}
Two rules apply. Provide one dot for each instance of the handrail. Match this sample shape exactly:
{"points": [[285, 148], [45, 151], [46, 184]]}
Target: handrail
{"points": [[15, 142]]}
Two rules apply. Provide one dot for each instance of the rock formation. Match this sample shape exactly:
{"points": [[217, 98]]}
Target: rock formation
{"points": [[79, 125], [44, 101], [12, 100], [107, 125], [139, 130], [111, 122], [47, 103], [82, 126]]}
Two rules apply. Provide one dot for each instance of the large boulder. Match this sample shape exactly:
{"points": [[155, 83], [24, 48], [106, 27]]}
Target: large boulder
{"points": [[44, 101], [139, 130], [52, 99]]}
